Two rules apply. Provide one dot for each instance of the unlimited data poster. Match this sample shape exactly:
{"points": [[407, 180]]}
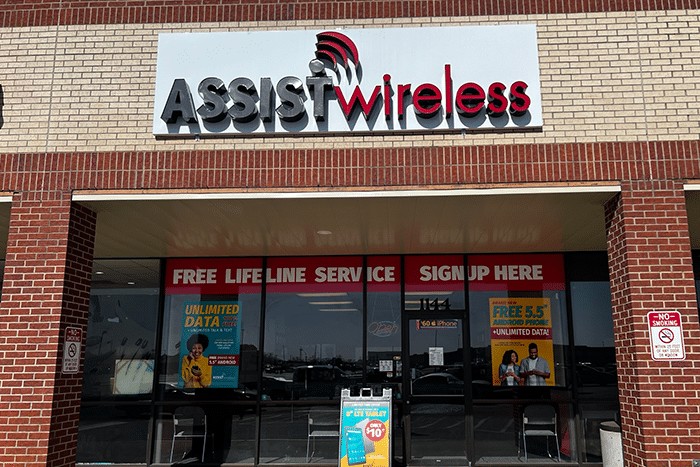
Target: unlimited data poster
{"points": [[516, 323], [210, 346]]}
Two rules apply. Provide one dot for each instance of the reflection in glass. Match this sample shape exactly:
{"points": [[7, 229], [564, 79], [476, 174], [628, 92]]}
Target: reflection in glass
{"points": [[115, 434], [596, 370], [286, 434], [384, 366], [121, 335], [313, 345], [220, 433], [437, 405], [498, 434], [119, 361]]}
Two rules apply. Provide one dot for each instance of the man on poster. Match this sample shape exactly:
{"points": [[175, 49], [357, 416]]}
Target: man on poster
{"points": [[535, 368]]}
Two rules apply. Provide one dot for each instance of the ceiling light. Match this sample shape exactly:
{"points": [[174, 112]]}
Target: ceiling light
{"points": [[131, 283], [99, 273], [323, 294], [324, 232], [430, 294], [349, 302], [338, 309]]}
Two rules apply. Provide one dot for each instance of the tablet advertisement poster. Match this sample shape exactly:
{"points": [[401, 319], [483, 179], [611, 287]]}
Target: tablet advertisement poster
{"points": [[365, 433]]}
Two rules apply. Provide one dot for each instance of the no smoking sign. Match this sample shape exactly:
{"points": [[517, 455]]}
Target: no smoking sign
{"points": [[666, 333], [72, 341]]}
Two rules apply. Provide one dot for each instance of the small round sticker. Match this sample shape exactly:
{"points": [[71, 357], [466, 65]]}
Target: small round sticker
{"points": [[375, 430]]}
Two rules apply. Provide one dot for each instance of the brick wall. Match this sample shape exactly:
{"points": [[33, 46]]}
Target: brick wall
{"points": [[46, 288], [49, 12], [651, 269], [621, 103], [606, 77]]}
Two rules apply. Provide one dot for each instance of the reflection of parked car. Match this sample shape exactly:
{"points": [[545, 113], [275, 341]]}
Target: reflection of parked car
{"points": [[437, 384], [320, 381], [276, 387]]}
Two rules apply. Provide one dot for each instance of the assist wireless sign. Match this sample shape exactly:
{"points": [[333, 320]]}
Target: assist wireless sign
{"points": [[361, 80]]}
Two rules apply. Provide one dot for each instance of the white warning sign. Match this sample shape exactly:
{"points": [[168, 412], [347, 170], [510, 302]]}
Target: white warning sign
{"points": [[666, 333]]}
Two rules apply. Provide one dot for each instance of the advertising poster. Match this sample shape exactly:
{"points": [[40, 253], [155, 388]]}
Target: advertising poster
{"points": [[365, 436], [516, 324], [210, 346]]}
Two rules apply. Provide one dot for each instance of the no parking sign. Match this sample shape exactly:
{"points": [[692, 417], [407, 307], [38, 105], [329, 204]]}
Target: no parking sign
{"points": [[666, 333]]}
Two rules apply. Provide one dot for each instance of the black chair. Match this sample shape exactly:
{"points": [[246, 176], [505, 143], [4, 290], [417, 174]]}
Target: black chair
{"points": [[540, 420]]}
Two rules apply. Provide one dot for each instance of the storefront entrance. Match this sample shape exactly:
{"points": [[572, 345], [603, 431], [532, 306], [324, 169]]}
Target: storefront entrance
{"points": [[435, 416]]}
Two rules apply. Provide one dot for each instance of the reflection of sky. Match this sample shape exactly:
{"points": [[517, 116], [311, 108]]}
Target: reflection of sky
{"points": [[314, 328], [592, 313]]}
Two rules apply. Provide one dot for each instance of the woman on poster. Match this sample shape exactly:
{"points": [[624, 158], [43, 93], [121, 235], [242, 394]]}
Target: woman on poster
{"points": [[509, 370], [196, 372]]}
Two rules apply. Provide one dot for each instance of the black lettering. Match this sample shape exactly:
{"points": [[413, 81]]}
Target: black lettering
{"points": [[179, 104]]}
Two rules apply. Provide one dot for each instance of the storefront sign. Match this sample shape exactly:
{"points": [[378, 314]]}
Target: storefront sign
{"points": [[666, 333], [72, 342], [210, 345], [356, 80], [365, 430], [382, 273]]}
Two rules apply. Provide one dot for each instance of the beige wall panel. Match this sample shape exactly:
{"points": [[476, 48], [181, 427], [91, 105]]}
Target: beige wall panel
{"points": [[626, 76]]}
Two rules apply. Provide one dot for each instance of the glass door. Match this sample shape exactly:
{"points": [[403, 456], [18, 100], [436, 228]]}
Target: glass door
{"points": [[435, 414]]}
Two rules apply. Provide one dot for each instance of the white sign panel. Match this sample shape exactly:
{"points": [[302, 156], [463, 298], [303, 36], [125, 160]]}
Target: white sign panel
{"points": [[666, 333], [72, 342], [341, 81], [436, 356]]}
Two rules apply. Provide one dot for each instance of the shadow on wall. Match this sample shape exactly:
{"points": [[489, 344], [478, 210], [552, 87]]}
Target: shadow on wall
{"points": [[2, 103]]}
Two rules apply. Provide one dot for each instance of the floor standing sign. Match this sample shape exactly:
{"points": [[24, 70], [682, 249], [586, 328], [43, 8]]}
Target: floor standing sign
{"points": [[365, 429], [666, 333]]}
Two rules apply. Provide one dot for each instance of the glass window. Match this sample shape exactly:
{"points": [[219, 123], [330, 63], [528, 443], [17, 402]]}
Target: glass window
{"points": [[113, 433], [384, 325], [313, 327], [209, 357], [520, 351], [502, 435], [596, 370], [518, 324], [119, 361], [213, 432]]}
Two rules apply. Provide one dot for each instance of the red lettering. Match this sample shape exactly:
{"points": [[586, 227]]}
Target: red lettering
{"points": [[402, 91], [498, 103], [470, 99], [448, 91], [427, 100], [357, 99], [519, 101]]}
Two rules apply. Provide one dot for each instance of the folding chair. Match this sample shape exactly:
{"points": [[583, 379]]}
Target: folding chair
{"points": [[321, 424], [540, 420], [189, 423]]}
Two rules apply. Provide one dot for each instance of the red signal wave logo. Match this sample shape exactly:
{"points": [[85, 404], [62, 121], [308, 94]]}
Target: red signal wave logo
{"points": [[335, 50]]}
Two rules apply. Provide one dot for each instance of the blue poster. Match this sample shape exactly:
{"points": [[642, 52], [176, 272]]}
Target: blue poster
{"points": [[210, 346]]}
